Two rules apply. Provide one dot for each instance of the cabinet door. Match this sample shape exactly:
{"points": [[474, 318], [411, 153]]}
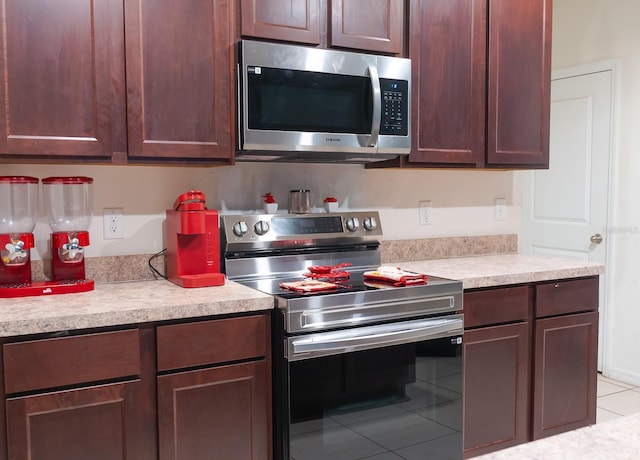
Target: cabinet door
{"points": [[565, 374], [221, 412], [378, 26], [496, 387], [448, 54], [97, 423], [519, 82], [62, 67], [287, 20], [180, 89]]}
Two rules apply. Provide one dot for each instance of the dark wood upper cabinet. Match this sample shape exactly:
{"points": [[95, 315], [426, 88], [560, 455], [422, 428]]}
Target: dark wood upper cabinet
{"points": [[519, 89], [481, 75], [376, 27], [62, 66], [180, 86], [448, 55], [288, 20]]}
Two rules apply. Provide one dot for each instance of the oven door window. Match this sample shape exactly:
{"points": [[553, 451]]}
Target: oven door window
{"points": [[293, 100], [402, 401]]}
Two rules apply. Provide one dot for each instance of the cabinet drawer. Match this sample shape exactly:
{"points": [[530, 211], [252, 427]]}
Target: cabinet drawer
{"points": [[59, 362], [566, 296], [495, 306], [211, 342]]}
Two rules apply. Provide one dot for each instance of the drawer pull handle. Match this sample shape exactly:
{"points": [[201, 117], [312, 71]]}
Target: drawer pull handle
{"points": [[556, 285]]}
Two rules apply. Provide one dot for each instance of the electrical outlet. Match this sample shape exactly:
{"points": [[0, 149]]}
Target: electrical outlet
{"points": [[113, 220], [500, 208], [425, 212]]}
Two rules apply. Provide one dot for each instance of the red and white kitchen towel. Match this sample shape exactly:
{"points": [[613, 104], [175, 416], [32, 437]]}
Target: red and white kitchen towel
{"points": [[395, 275]]}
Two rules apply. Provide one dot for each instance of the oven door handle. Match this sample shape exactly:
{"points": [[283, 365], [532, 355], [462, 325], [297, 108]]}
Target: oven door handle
{"points": [[364, 338]]}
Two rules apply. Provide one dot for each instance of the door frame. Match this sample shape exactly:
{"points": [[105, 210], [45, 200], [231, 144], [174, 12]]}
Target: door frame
{"points": [[610, 65]]}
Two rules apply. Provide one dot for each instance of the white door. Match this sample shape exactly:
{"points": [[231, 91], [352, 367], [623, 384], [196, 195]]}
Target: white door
{"points": [[565, 208]]}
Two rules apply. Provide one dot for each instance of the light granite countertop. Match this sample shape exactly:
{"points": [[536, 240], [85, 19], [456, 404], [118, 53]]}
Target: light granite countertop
{"points": [[114, 304], [504, 269], [617, 439], [125, 303]]}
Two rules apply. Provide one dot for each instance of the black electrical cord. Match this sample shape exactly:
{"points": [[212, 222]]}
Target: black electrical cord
{"points": [[156, 273]]}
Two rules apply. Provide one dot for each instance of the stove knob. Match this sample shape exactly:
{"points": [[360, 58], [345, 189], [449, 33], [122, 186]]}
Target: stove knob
{"points": [[240, 228], [261, 227], [353, 224], [370, 223]]}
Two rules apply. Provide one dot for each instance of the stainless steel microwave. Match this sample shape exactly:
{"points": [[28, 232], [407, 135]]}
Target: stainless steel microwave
{"points": [[305, 104]]}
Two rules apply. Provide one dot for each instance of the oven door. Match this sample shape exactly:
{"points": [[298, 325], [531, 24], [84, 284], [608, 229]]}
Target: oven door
{"points": [[392, 390]]}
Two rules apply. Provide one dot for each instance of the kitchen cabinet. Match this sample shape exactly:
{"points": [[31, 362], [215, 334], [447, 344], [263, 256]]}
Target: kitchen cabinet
{"points": [[63, 96], [566, 350], [187, 390], [180, 85], [214, 389], [337, 23], [79, 397], [68, 98], [497, 369], [481, 84], [529, 362]]}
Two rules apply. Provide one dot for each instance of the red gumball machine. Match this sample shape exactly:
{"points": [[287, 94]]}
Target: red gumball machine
{"points": [[18, 216], [192, 241], [69, 206]]}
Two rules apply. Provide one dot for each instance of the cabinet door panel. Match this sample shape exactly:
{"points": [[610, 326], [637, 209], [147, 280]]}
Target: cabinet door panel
{"points": [[519, 82], [287, 20], [179, 79], [496, 306], [377, 27], [565, 374], [448, 54], [215, 413], [62, 64], [212, 342], [97, 423], [496, 387], [74, 360]]}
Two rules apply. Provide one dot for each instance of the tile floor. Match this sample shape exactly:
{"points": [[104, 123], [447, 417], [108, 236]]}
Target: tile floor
{"points": [[616, 399]]}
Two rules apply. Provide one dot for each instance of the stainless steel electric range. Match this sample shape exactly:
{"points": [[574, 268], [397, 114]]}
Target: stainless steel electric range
{"points": [[363, 366]]}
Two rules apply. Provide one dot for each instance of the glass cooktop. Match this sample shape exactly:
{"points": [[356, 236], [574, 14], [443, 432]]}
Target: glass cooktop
{"points": [[354, 283]]}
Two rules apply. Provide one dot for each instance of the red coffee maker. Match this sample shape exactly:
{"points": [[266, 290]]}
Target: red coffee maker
{"points": [[193, 243], [18, 216], [69, 207]]}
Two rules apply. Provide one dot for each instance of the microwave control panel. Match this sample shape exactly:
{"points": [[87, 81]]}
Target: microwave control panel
{"points": [[395, 107]]}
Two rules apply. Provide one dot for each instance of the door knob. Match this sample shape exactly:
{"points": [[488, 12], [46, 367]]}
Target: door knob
{"points": [[596, 239]]}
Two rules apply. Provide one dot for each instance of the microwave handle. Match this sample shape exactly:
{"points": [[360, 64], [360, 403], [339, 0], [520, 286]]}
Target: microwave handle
{"points": [[377, 105]]}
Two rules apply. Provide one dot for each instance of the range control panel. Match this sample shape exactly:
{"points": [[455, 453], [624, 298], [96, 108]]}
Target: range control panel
{"points": [[284, 230]]}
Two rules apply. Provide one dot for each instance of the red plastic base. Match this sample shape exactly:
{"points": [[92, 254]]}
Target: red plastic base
{"points": [[37, 288], [201, 280]]}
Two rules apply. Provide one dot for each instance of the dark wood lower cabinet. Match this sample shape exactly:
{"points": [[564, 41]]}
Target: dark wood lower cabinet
{"points": [[185, 390], [101, 422], [530, 362], [564, 393], [496, 387], [215, 413]]}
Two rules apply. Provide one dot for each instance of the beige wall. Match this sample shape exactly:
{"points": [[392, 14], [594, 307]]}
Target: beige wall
{"points": [[586, 31], [462, 200]]}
